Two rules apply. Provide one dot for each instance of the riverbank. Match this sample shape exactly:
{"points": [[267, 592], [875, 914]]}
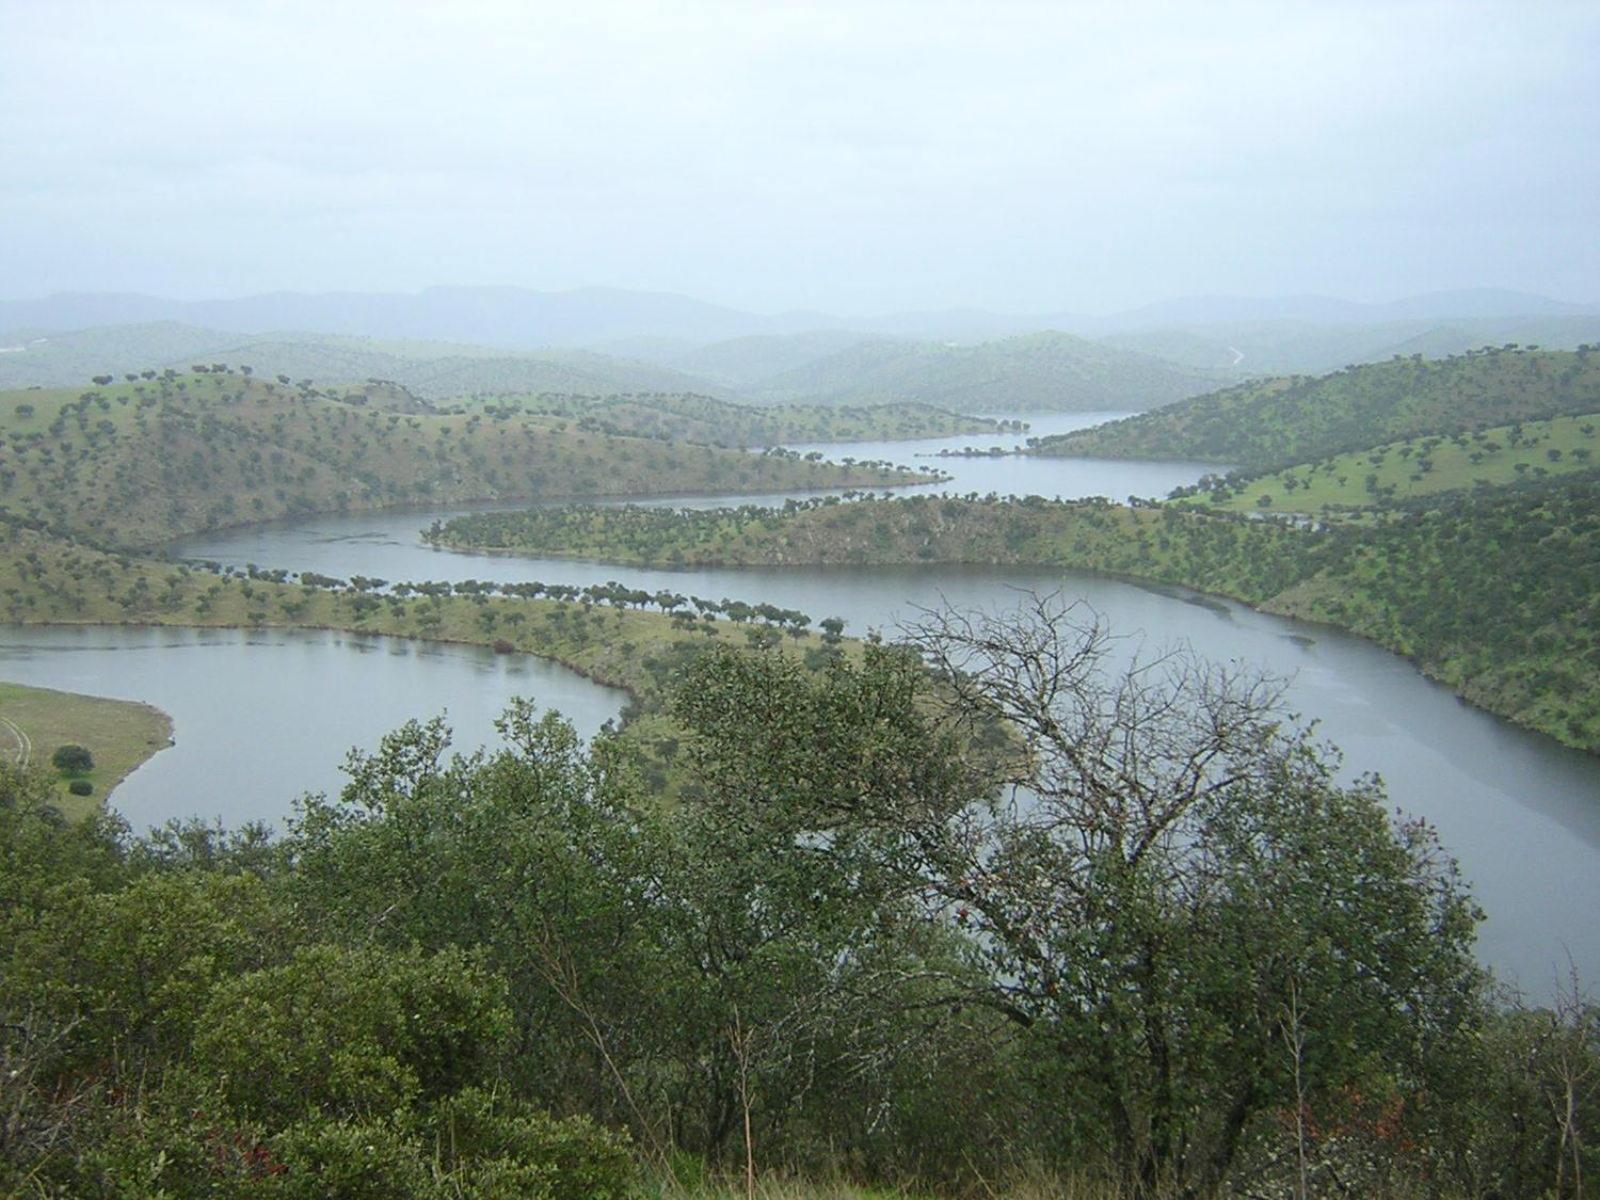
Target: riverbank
{"points": [[1506, 621], [121, 735]]}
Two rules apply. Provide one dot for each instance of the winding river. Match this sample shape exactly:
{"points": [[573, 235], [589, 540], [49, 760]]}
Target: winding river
{"points": [[262, 717]]}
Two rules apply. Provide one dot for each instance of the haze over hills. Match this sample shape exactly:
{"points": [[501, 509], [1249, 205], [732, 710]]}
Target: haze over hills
{"points": [[1429, 306], [1033, 372], [1039, 372], [448, 342], [1271, 347], [431, 369], [520, 318]]}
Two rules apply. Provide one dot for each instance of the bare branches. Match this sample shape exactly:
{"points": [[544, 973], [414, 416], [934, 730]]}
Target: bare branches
{"points": [[1118, 748]]}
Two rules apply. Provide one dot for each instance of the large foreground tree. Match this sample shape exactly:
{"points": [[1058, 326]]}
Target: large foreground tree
{"points": [[1196, 922]]}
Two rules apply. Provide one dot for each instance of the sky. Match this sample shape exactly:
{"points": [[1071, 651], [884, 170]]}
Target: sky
{"points": [[861, 156]]}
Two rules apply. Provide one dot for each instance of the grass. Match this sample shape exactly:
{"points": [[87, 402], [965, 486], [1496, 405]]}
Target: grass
{"points": [[120, 734], [1419, 467]]}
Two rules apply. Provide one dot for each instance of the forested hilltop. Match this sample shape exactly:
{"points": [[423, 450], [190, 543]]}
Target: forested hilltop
{"points": [[1275, 423], [134, 463], [1496, 594], [709, 421]]}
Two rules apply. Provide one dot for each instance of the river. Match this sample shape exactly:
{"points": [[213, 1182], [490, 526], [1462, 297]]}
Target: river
{"points": [[261, 718]]}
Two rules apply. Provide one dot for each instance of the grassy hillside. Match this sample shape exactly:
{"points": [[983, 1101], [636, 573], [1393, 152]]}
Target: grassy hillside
{"points": [[1418, 467], [119, 735], [1497, 594], [1041, 372], [135, 464], [712, 422], [1276, 423]]}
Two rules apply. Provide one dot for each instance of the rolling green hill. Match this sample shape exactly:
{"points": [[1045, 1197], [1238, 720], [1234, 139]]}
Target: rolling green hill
{"points": [[136, 464], [712, 422], [1276, 423], [1417, 467], [1040, 372]]}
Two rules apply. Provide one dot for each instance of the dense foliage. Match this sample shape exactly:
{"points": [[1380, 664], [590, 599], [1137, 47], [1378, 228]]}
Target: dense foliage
{"points": [[1189, 961], [1275, 423]]}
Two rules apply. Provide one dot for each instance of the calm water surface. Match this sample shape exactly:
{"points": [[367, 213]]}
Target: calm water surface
{"points": [[261, 717], [1521, 813]]}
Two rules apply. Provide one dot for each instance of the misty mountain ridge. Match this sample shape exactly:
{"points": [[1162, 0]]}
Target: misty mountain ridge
{"points": [[1033, 372], [525, 319]]}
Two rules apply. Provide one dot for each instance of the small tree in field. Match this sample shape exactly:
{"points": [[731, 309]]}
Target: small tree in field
{"points": [[72, 757]]}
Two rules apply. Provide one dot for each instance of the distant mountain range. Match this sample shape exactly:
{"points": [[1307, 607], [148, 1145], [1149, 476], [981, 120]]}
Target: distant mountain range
{"points": [[522, 319], [448, 342], [1037, 372]]}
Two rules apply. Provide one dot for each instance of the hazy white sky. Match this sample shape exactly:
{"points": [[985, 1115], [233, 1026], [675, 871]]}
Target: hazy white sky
{"points": [[854, 156]]}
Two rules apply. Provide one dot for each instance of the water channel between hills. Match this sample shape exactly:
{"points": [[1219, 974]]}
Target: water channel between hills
{"points": [[261, 717]]}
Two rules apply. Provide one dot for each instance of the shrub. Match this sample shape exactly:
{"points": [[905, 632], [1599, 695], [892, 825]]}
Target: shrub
{"points": [[81, 787], [72, 758], [501, 1146]]}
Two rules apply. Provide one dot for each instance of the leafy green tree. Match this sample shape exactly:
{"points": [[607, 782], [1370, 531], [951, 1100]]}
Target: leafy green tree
{"points": [[351, 1033], [72, 758], [1176, 888]]}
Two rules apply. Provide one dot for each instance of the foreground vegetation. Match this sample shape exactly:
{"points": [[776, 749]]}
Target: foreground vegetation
{"points": [[1496, 594], [1192, 964], [138, 462], [793, 921], [1276, 423]]}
